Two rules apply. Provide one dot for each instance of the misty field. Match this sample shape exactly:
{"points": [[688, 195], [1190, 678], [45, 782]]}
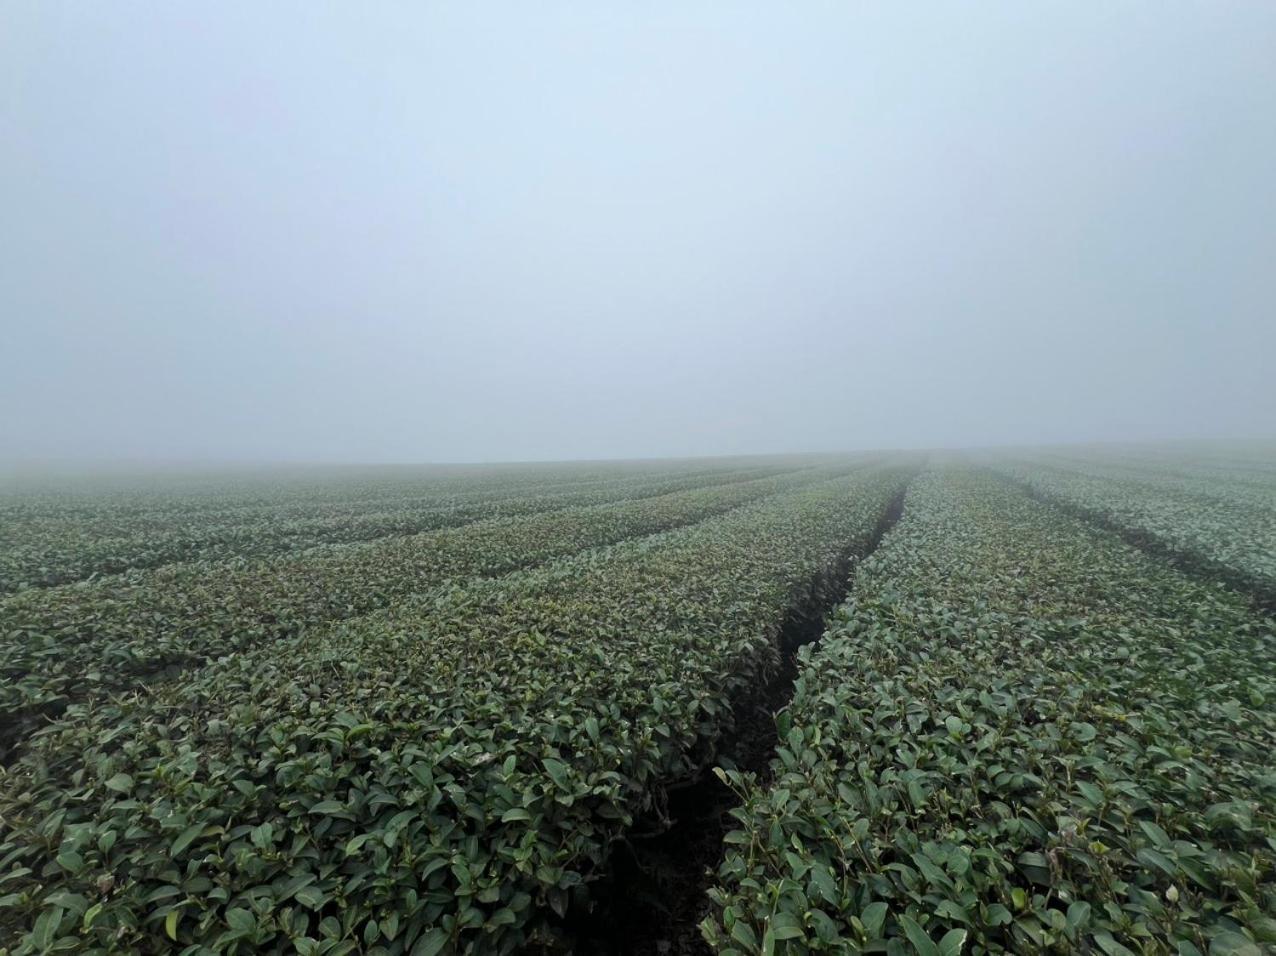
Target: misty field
{"points": [[900, 703]]}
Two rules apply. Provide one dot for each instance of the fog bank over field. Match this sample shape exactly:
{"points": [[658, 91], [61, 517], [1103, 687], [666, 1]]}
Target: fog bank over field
{"points": [[473, 232]]}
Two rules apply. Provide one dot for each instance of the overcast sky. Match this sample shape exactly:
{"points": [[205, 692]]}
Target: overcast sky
{"points": [[468, 231]]}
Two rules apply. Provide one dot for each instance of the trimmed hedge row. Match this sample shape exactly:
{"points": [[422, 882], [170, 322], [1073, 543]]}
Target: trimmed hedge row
{"points": [[47, 546], [1214, 478], [60, 645], [432, 778], [1019, 735], [1227, 530]]}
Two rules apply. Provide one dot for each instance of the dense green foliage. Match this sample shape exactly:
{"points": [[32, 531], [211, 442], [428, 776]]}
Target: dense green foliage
{"points": [[436, 775], [62, 644], [413, 711], [52, 539], [1225, 522], [1019, 735]]}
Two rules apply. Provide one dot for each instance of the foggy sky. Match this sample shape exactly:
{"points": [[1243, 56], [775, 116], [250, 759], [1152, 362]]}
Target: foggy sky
{"points": [[406, 232]]}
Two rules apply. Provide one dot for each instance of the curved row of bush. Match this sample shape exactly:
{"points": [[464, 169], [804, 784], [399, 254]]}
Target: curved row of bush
{"points": [[1209, 477], [156, 501], [74, 544], [60, 645], [1233, 534], [1019, 735], [437, 777]]}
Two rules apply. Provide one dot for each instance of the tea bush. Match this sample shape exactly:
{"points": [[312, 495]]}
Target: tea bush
{"points": [[60, 645], [1019, 735], [1225, 526], [50, 539], [438, 776]]}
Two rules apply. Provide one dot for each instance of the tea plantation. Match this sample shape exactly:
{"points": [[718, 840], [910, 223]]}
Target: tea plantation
{"points": [[422, 711], [1019, 735]]}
